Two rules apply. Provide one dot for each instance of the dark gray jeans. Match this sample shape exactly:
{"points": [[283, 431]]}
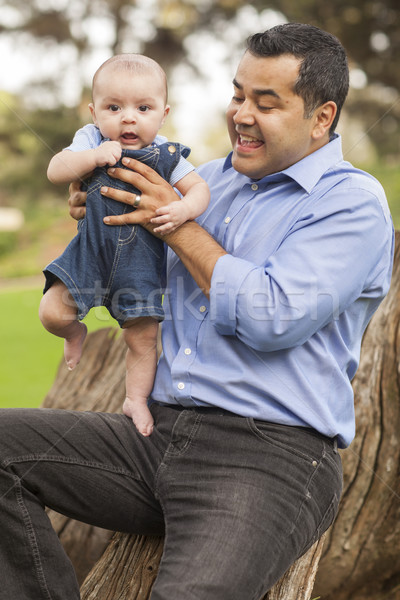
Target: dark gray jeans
{"points": [[238, 500]]}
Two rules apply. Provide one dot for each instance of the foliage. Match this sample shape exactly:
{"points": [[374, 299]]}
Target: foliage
{"points": [[28, 139], [177, 33]]}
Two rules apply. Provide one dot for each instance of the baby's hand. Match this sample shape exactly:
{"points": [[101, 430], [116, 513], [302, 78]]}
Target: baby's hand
{"points": [[170, 217], [108, 153]]}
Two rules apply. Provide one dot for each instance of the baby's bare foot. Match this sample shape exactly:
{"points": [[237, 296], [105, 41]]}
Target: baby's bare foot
{"points": [[141, 416], [73, 345]]}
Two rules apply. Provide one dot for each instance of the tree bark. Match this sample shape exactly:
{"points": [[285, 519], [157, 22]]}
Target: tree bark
{"points": [[360, 558], [128, 569]]}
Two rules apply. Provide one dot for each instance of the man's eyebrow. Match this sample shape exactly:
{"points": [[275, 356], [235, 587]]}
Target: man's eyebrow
{"points": [[258, 92]]}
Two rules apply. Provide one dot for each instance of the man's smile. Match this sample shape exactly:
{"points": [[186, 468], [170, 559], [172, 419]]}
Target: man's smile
{"points": [[248, 142]]}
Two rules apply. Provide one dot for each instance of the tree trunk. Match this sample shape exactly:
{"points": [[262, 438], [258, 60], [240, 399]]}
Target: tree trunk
{"points": [[360, 559], [128, 568]]}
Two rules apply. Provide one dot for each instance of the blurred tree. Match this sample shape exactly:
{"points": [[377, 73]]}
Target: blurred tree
{"points": [[369, 29], [28, 139], [74, 33]]}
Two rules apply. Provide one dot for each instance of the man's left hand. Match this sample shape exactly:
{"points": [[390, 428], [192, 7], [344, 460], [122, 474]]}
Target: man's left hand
{"points": [[155, 193]]}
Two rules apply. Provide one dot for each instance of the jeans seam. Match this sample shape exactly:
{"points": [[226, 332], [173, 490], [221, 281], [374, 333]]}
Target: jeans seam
{"points": [[195, 426], [31, 539], [117, 255], [317, 533], [69, 461], [307, 494], [333, 462]]}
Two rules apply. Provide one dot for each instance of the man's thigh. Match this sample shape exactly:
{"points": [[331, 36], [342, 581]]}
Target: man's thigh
{"points": [[242, 500], [94, 467]]}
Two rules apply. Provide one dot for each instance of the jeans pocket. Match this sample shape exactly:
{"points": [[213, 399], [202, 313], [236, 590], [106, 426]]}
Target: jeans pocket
{"points": [[292, 439]]}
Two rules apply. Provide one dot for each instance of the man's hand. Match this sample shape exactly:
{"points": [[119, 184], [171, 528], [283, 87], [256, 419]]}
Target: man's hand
{"points": [[76, 201], [195, 247], [155, 193]]}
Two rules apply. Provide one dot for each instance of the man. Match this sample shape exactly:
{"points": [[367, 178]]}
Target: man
{"points": [[267, 299]]}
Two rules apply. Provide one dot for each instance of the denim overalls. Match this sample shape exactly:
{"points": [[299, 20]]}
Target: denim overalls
{"points": [[119, 267]]}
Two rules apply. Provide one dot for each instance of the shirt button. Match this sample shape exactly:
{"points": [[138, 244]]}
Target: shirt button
{"points": [[227, 220], [202, 309], [254, 187], [181, 385], [188, 351]]}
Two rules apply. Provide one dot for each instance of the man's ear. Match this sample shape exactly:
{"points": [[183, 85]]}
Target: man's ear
{"points": [[324, 117], [93, 113]]}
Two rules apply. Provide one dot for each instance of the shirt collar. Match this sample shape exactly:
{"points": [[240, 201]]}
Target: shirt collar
{"points": [[308, 171]]}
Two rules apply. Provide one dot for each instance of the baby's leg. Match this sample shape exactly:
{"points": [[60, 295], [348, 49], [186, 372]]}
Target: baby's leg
{"points": [[58, 313], [141, 361]]}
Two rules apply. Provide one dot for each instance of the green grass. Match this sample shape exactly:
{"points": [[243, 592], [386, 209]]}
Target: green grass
{"points": [[29, 355]]}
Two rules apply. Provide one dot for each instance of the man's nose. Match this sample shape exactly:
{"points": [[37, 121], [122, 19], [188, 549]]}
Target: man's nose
{"points": [[245, 114]]}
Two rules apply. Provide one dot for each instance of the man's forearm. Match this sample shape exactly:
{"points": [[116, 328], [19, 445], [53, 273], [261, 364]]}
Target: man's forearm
{"points": [[198, 251]]}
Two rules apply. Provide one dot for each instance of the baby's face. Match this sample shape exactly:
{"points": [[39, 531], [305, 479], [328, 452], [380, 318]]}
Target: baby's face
{"points": [[129, 107]]}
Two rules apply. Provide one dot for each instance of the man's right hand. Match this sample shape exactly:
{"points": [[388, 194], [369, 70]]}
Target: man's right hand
{"points": [[76, 201]]}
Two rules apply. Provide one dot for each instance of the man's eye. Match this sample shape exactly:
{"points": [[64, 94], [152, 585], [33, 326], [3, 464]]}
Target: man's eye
{"points": [[113, 107], [237, 99]]}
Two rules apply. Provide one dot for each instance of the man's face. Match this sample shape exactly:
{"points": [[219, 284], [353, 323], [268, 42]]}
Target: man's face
{"points": [[265, 117]]}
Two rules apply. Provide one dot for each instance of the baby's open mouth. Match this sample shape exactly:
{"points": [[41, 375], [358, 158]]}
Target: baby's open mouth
{"points": [[129, 138]]}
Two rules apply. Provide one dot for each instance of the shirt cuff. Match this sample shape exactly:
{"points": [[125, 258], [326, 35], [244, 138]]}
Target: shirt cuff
{"points": [[227, 279]]}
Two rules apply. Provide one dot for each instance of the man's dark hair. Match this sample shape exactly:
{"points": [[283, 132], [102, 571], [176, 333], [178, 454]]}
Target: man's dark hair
{"points": [[323, 73]]}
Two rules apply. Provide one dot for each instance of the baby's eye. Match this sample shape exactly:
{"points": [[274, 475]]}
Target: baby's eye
{"points": [[144, 108], [114, 107]]}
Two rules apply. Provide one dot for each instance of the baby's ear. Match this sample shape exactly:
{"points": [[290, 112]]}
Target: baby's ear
{"points": [[93, 113], [166, 111]]}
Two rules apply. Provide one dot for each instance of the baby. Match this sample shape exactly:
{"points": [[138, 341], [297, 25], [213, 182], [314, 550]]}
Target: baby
{"points": [[120, 267]]}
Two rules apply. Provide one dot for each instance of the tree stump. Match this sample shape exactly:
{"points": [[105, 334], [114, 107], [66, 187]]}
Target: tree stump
{"points": [[360, 557], [129, 567]]}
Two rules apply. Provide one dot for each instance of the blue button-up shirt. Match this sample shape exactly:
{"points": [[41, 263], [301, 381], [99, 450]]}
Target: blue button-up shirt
{"points": [[310, 253]]}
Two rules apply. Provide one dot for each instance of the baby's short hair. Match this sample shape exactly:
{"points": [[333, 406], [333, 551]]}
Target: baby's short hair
{"points": [[136, 64]]}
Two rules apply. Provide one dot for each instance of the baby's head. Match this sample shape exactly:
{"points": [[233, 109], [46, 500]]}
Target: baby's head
{"points": [[129, 99]]}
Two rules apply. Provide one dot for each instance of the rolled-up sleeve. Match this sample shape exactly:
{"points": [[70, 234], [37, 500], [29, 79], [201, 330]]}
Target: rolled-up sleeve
{"points": [[306, 282]]}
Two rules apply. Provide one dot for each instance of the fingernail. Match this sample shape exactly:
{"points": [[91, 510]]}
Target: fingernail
{"points": [[104, 190], [106, 220], [111, 170], [125, 161]]}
